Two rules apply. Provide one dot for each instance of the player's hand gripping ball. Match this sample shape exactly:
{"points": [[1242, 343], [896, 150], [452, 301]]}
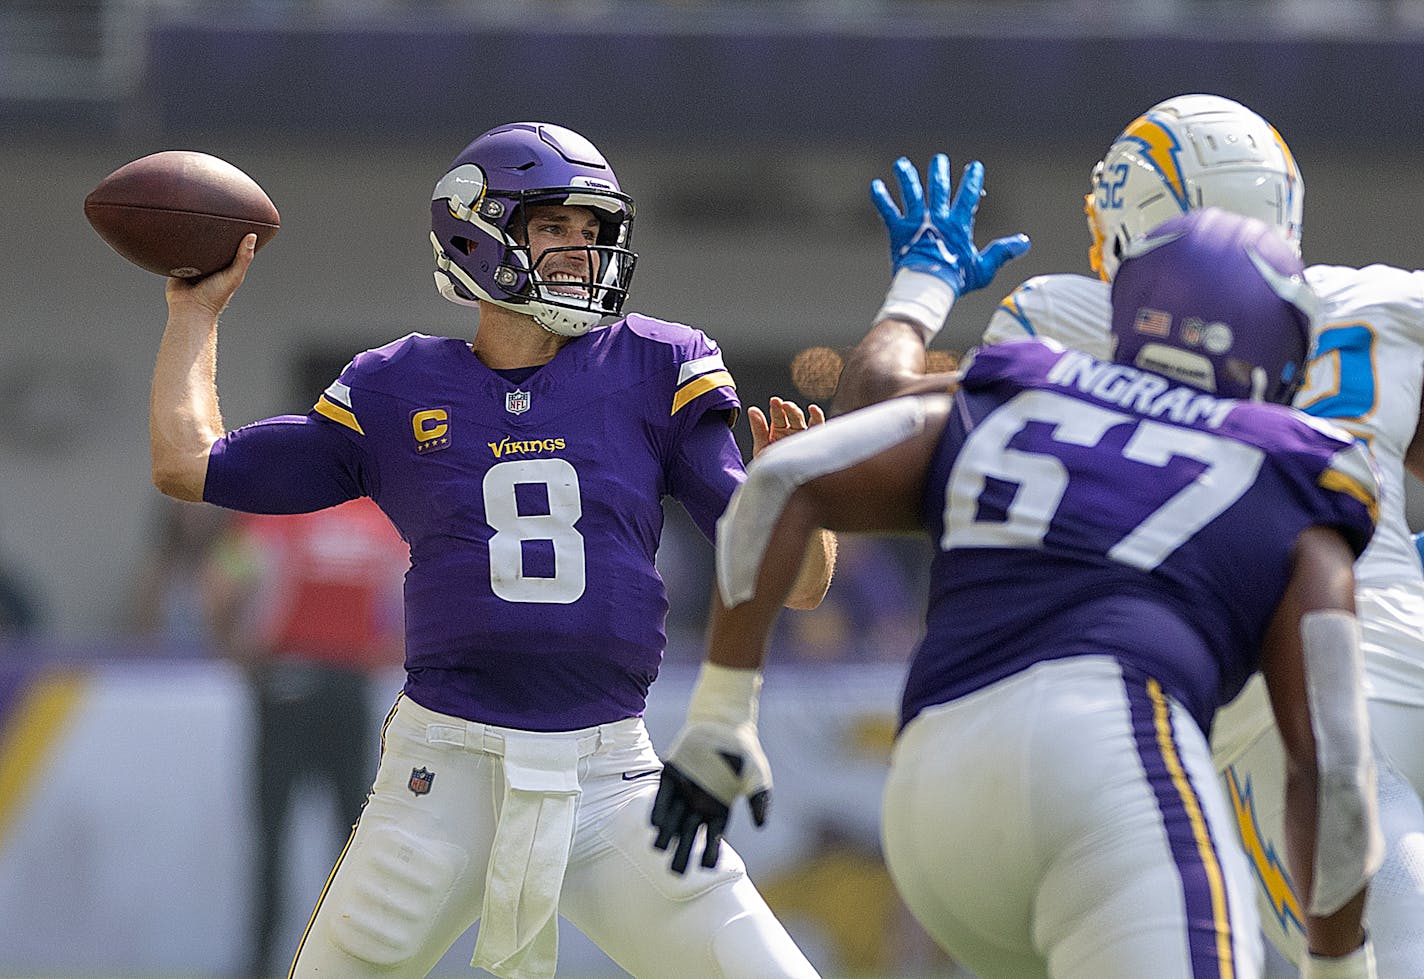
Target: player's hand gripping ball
{"points": [[180, 213]]}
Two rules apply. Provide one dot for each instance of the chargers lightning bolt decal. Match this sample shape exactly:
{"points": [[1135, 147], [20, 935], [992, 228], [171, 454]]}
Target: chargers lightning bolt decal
{"points": [[1160, 149], [1267, 864]]}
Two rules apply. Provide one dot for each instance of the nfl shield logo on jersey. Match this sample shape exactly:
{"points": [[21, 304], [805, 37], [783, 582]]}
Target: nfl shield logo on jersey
{"points": [[516, 402], [420, 780]]}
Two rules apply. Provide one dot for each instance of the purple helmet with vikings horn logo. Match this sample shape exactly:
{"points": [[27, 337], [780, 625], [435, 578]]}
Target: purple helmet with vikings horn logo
{"points": [[1218, 301], [478, 230]]}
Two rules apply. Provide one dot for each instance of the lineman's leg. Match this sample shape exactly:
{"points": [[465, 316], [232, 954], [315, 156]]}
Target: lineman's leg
{"points": [[1394, 911], [708, 924], [955, 840], [1158, 845], [1090, 802], [412, 878]]}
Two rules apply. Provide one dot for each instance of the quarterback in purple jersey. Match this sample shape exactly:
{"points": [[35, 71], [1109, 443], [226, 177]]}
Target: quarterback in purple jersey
{"points": [[533, 507], [526, 469], [1119, 545]]}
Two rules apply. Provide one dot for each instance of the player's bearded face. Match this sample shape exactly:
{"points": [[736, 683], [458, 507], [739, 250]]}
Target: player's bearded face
{"points": [[558, 239]]}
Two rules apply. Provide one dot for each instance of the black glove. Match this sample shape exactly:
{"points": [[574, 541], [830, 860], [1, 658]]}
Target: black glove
{"points": [[707, 753]]}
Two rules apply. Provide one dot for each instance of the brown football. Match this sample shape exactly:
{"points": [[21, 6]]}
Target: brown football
{"points": [[180, 213]]}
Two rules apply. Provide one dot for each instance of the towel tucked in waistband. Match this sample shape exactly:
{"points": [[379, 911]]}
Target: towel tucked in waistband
{"points": [[519, 933]]}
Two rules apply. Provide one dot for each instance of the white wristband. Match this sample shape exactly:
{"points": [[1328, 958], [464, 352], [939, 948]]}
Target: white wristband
{"points": [[920, 298], [725, 694], [1359, 964]]}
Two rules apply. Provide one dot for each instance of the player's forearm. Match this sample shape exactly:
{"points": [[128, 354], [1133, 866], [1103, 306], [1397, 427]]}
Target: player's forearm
{"points": [[737, 638], [1301, 815], [738, 633], [1335, 943], [184, 420], [1338, 934], [1341, 932], [1314, 671], [882, 365]]}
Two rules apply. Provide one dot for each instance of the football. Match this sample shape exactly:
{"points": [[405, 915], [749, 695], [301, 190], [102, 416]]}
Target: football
{"points": [[180, 213]]}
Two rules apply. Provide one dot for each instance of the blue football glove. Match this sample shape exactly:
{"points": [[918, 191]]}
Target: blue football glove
{"points": [[939, 239]]}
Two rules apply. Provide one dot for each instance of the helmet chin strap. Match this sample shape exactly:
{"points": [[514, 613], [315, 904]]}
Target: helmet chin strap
{"points": [[446, 287], [559, 320], [563, 322]]}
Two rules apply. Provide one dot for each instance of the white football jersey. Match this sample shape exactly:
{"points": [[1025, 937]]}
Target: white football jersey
{"points": [[1366, 374], [1075, 310]]}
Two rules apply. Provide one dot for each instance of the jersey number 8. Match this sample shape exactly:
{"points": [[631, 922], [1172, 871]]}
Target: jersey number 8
{"points": [[512, 529]]}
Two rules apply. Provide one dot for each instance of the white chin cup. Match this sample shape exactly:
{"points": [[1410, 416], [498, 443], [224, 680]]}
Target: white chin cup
{"points": [[557, 319]]}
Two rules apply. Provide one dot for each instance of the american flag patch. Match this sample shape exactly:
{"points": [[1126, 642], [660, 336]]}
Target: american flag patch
{"points": [[1153, 322]]}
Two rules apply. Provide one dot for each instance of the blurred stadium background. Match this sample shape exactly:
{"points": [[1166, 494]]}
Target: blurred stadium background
{"points": [[747, 132]]}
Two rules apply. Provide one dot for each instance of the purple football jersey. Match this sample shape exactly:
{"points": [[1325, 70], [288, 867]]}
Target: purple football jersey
{"points": [[533, 510], [1086, 507]]}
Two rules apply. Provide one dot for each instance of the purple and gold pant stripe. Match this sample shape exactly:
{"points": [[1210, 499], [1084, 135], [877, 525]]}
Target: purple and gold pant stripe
{"points": [[1209, 935]]}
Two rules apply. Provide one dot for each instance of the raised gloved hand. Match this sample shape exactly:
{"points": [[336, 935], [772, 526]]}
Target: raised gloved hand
{"points": [[937, 240], [715, 759]]}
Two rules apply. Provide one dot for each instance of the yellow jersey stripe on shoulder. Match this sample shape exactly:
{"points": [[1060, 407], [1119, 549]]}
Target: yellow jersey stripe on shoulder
{"points": [[699, 387], [1342, 482], [1352, 471], [342, 416], [1010, 305]]}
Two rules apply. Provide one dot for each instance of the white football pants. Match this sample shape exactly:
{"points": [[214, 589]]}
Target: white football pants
{"points": [[1066, 822], [412, 878]]}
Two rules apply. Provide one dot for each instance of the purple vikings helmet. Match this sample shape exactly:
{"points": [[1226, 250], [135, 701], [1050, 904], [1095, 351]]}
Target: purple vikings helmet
{"points": [[478, 229], [1218, 301]]}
